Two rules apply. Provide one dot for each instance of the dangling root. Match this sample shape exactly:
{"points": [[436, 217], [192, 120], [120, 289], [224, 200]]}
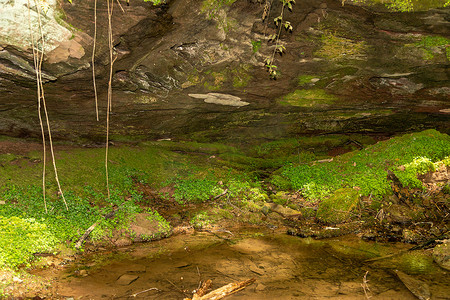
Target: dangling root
{"points": [[93, 59], [38, 59]]}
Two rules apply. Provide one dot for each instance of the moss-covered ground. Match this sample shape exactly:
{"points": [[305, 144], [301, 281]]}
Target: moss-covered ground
{"points": [[222, 181]]}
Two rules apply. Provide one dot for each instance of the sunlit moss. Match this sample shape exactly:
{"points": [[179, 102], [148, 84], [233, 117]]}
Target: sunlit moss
{"points": [[416, 262], [339, 206], [305, 79], [432, 45], [336, 48], [308, 98]]}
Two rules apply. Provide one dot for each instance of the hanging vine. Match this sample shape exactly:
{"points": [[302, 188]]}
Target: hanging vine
{"points": [[93, 59], [38, 57], [109, 104], [280, 23]]}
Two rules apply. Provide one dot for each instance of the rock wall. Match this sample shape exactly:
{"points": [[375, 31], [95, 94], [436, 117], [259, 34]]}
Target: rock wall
{"points": [[346, 68]]}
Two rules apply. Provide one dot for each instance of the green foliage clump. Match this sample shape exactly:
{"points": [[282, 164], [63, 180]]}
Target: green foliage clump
{"points": [[21, 238], [314, 191], [245, 191], [366, 170], [338, 207], [195, 190], [256, 45], [156, 2], [419, 166], [200, 220], [163, 225]]}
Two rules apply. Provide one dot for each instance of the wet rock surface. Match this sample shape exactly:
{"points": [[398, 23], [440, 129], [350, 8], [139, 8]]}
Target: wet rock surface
{"points": [[369, 60]]}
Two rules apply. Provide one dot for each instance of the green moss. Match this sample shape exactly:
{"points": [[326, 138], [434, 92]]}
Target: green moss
{"points": [[308, 98], [305, 79], [237, 75], [434, 44], [337, 48], [164, 228], [414, 262], [407, 5], [338, 207], [241, 76], [215, 81], [212, 9]]}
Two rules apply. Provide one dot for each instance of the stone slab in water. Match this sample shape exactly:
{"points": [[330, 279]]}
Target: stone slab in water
{"points": [[126, 279]]}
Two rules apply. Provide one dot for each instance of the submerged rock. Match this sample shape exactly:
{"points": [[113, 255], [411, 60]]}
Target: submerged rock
{"points": [[441, 254], [126, 279], [419, 288]]}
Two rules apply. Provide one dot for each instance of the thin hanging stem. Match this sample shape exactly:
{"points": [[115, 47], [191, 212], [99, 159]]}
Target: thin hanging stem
{"points": [[36, 68], [279, 33], [93, 59], [42, 96], [109, 104]]}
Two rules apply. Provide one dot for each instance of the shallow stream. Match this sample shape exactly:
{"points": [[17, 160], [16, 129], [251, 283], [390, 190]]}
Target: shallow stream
{"points": [[285, 267]]}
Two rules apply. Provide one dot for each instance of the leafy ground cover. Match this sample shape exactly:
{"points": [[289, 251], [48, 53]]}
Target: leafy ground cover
{"points": [[215, 177], [364, 170]]}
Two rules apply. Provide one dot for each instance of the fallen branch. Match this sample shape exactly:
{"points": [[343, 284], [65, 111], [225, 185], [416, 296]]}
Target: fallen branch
{"points": [[223, 194], [85, 235], [205, 287], [224, 291], [90, 229]]}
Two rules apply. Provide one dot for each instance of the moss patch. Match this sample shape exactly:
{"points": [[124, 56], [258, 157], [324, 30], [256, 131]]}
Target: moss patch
{"points": [[338, 207], [308, 98], [434, 45], [305, 79], [336, 48]]}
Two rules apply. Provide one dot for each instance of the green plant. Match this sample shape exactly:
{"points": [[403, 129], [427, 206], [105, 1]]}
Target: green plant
{"points": [[200, 220], [245, 191], [419, 166], [155, 2], [21, 238], [305, 79], [256, 45], [163, 224], [366, 170], [195, 190]]}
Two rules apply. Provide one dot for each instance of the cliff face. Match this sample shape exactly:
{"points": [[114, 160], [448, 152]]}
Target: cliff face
{"points": [[345, 69]]}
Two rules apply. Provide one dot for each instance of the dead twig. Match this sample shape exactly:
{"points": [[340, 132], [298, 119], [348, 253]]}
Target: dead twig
{"points": [[365, 286], [144, 291], [173, 284]]}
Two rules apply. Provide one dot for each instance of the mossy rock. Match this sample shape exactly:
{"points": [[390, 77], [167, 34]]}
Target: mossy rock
{"points": [[337, 208]]}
